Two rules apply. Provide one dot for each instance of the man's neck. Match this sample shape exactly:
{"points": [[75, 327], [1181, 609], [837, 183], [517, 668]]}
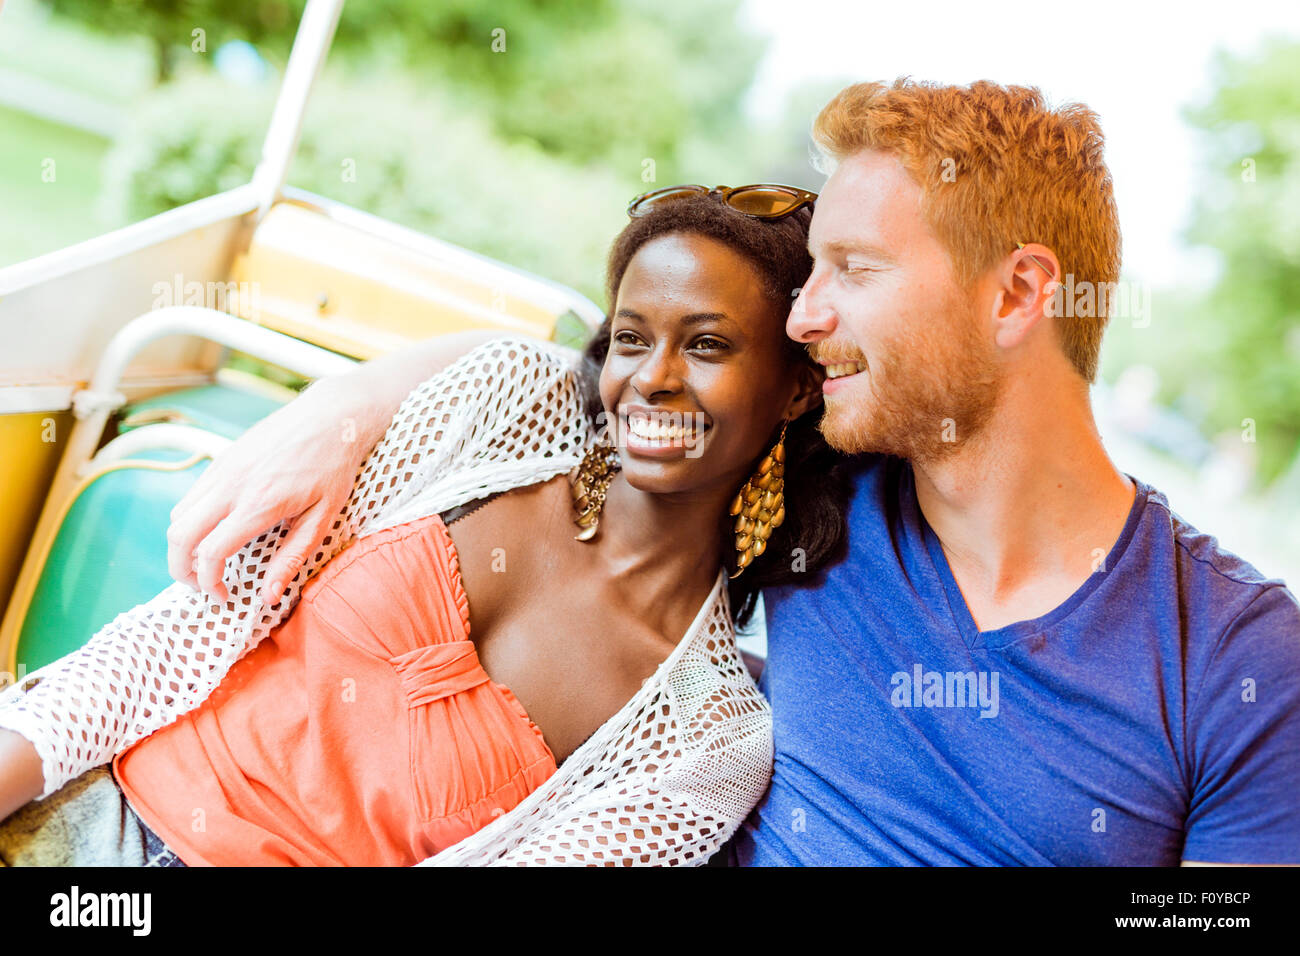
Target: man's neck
{"points": [[1028, 509]]}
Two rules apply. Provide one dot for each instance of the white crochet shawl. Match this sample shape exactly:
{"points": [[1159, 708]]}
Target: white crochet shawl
{"points": [[666, 780]]}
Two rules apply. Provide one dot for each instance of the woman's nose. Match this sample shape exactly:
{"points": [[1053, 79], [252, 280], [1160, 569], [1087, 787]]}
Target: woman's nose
{"points": [[811, 316], [658, 372]]}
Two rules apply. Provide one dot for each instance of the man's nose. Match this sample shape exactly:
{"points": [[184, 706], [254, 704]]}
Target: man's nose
{"points": [[811, 316]]}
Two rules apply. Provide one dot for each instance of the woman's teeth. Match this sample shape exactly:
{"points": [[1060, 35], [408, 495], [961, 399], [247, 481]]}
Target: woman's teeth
{"points": [[845, 368], [660, 431]]}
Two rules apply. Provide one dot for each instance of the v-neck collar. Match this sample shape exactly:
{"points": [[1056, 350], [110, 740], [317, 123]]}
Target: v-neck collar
{"points": [[1017, 630], [702, 615]]}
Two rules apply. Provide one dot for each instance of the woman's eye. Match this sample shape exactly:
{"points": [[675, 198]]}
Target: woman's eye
{"points": [[709, 343], [626, 338]]}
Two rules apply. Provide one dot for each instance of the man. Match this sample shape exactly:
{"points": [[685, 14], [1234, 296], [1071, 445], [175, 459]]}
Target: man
{"points": [[1025, 657]]}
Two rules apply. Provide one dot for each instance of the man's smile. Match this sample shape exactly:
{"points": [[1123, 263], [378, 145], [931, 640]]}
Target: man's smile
{"points": [[840, 372], [841, 369]]}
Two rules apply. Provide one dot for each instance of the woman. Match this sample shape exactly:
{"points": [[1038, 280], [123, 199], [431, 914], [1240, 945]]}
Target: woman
{"points": [[617, 725]]}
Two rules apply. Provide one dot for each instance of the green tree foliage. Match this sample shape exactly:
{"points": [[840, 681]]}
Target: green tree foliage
{"points": [[170, 24], [593, 80], [519, 129], [1245, 338], [382, 143]]}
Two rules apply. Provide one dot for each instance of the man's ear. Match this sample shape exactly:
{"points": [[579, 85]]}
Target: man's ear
{"points": [[808, 390], [1027, 280]]}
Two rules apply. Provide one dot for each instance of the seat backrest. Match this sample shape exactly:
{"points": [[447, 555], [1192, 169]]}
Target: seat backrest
{"points": [[331, 283]]}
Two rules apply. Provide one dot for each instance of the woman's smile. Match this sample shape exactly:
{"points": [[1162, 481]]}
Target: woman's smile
{"points": [[660, 432]]}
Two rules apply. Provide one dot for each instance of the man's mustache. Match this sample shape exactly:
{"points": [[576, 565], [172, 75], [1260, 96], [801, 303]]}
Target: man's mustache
{"points": [[832, 354]]}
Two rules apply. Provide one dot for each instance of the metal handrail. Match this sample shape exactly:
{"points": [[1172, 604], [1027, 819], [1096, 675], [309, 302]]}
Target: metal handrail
{"points": [[93, 405], [310, 45], [293, 354]]}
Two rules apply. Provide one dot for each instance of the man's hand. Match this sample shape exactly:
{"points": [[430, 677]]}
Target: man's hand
{"points": [[299, 463]]}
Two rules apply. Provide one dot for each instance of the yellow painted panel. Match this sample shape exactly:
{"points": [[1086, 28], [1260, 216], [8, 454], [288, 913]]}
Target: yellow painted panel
{"points": [[309, 276], [30, 445]]}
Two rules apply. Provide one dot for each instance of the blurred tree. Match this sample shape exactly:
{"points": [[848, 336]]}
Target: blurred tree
{"points": [[1245, 337], [519, 129], [594, 80], [380, 142], [170, 25], [598, 81]]}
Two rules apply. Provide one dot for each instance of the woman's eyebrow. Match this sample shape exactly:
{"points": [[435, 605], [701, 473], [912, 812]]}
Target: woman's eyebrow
{"points": [[693, 318], [698, 318]]}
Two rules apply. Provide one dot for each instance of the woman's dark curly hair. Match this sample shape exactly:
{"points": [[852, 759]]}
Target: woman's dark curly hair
{"points": [[816, 491]]}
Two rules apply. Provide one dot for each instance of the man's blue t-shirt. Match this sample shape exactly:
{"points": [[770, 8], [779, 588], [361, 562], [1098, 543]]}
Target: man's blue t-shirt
{"points": [[1152, 717]]}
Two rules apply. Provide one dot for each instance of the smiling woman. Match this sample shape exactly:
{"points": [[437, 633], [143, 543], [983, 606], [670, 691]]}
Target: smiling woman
{"points": [[540, 698], [682, 348]]}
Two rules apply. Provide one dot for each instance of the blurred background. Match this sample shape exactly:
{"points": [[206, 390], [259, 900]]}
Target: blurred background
{"points": [[521, 128]]}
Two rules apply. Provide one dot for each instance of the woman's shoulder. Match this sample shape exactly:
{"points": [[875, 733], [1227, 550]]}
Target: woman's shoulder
{"points": [[507, 413], [513, 355], [498, 374], [516, 382]]}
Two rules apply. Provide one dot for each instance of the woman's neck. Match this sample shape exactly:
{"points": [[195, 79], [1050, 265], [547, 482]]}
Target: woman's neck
{"points": [[667, 548]]}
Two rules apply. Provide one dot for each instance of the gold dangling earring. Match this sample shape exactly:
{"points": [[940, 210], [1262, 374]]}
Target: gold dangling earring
{"points": [[588, 489], [759, 506]]}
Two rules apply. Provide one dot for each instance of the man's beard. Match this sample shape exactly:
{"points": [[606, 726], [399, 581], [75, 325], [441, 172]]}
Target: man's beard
{"points": [[929, 394]]}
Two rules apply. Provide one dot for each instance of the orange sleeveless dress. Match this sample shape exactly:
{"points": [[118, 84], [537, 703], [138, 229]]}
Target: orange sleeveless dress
{"points": [[362, 731]]}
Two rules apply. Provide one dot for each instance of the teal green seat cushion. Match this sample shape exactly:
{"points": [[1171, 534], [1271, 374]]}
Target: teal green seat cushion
{"points": [[109, 554], [220, 409]]}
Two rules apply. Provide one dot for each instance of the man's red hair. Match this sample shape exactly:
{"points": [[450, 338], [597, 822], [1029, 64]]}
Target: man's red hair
{"points": [[996, 167]]}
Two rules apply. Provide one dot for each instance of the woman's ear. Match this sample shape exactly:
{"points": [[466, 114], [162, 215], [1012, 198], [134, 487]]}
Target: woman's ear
{"points": [[808, 390]]}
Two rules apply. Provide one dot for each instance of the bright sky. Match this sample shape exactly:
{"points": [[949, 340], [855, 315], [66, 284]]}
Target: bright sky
{"points": [[1136, 63]]}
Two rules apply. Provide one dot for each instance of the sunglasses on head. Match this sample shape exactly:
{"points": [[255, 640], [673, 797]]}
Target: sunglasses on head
{"points": [[760, 200]]}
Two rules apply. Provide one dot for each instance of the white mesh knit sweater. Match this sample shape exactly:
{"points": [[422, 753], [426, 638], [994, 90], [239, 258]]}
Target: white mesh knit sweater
{"points": [[666, 780]]}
